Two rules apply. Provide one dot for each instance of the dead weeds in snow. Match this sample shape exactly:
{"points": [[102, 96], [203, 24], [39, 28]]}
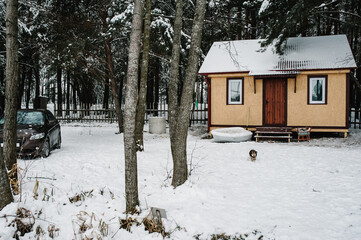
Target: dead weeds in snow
{"points": [[155, 226], [23, 222], [53, 231], [150, 225], [238, 236], [81, 196], [89, 226], [128, 223]]}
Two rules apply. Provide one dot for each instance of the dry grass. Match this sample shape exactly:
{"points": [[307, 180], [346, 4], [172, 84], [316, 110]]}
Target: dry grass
{"points": [[81, 196], [152, 225], [89, 226], [13, 178], [23, 222], [223, 236]]}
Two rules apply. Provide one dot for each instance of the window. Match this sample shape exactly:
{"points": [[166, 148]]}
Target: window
{"points": [[317, 89], [235, 91], [27, 118], [50, 117]]}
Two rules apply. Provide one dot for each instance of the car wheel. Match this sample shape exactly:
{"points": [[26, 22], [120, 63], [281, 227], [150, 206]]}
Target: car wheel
{"points": [[58, 143], [46, 149]]}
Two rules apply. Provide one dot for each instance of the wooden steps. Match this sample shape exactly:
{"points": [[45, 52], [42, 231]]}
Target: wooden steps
{"points": [[273, 133]]}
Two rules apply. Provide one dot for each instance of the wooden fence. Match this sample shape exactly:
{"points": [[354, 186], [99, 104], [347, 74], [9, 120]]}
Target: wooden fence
{"points": [[96, 113]]}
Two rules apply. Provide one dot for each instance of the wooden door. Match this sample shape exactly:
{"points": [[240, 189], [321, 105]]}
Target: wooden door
{"points": [[274, 102]]}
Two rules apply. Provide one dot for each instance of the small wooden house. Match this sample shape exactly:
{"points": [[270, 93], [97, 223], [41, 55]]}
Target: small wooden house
{"points": [[307, 86]]}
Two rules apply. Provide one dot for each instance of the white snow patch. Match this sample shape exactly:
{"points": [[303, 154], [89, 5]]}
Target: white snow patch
{"points": [[292, 191], [263, 7], [301, 53]]}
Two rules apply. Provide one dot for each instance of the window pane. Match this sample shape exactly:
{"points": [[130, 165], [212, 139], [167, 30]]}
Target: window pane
{"points": [[235, 91], [30, 118], [317, 89]]}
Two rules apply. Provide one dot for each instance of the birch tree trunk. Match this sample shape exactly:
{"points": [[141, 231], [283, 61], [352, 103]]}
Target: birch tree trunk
{"points": [[131, 93], [180, 108], [143, 80], [12, 82]]}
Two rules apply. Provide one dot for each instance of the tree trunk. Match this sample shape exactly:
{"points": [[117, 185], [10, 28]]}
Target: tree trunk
{"points": [[150, 92], [131, 172], [12, 82], [143, 80], [106, 94], [37, 76], [21, 86], [5, 192], [174, 68], [253, 24], [28, 90], [67, 92], [180, 110], [156, 90], [120, 92], [60, 92], [118, 106], [75, 87], [180, 170], [246, 18], [239, 23], [2, 77]]}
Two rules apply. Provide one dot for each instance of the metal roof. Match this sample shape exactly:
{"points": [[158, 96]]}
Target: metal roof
{"points": [[301, 53]]}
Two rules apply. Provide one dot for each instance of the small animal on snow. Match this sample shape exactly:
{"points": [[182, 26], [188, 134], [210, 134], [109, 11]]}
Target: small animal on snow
{"points": [[253, 154]]}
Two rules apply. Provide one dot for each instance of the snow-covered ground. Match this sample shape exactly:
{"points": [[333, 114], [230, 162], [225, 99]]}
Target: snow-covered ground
{"points": [[292, 191]]}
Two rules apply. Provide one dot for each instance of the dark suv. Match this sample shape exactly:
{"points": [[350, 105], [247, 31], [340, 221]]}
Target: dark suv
{"points": [[38, 132]]}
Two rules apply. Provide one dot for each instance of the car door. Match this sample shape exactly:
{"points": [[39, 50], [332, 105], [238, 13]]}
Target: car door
{"points": [[53, 128]]}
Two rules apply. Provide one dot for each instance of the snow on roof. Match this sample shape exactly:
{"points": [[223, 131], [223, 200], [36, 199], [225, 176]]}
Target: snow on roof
{"points": [[301, 53]]}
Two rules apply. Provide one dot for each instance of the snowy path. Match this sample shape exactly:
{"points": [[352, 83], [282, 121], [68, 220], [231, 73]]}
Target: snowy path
{"points": [[292, 191]]}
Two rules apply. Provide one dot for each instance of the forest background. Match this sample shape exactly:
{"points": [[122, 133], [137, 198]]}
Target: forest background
{"points": [[68, 46]]}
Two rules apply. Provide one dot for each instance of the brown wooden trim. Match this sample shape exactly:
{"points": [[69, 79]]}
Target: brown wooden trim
{"points": [[295, 84], [208, 81], [254, 85], [253, 126], [320, 127], [347, 100], [308, 88], [300, 70], [244, 126], [263, 101], [286, 101], [278, 76], [211, 73], [235, 78]]}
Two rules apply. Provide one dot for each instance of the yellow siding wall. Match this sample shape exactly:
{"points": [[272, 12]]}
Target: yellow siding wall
{"points": [[299, 113], [332, 114], [223, 114]]}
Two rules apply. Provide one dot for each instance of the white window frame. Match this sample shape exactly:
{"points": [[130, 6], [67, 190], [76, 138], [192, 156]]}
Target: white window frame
{"points": [[233, 80], [323, 80]]}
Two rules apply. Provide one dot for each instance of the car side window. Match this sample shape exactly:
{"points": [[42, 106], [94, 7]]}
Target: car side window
{"points": [[50, 117]]}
